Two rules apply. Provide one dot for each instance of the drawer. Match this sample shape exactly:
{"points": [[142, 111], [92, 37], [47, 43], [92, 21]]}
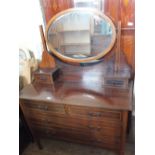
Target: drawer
{"points": [[62, 133], [37, 119], [43, 78], [105, 130], [93, 128], [76, 136], [66, 121], [82, 123], [43, 107], [94, 113], [35, 114]]}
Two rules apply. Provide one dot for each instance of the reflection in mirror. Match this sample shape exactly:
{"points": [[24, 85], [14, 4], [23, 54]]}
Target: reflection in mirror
{"points": [[80, 34], [96, 4]]}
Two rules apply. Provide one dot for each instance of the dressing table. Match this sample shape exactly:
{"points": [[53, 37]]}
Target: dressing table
{"points": [[89, 101]]}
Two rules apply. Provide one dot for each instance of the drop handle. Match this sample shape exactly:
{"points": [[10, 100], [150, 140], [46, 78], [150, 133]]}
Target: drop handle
{"points": [[92, 114], [43, 78], [42, 107], [46, 107], [94, 127], [99, 141]]}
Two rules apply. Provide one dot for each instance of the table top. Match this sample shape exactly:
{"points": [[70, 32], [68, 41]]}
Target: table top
{"points": [[83, 94]]}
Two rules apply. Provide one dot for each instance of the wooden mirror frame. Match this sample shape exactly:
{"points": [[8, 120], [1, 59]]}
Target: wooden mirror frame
{"points": [[74, 60]]}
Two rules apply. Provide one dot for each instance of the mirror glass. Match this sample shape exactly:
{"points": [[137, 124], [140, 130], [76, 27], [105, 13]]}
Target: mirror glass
{"points": [[80, 34]]}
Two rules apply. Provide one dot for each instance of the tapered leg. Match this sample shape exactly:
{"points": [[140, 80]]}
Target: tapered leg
{"points": [[39, 144]]}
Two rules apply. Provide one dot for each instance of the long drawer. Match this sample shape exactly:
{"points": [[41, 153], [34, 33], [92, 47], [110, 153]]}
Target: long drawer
{"points": [[82, 125], [75, 135]]}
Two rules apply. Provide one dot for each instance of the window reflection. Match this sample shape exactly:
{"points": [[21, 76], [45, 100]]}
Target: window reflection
{"points": [[80, 34], [97, 4]]}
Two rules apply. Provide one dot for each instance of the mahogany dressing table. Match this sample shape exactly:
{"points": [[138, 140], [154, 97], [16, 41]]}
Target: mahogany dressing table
{"points": [[90, 100]]}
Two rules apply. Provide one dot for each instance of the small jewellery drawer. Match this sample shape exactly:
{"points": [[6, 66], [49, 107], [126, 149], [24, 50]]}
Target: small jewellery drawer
{"points": [[45, 107], [43, 78], [93, 112]]}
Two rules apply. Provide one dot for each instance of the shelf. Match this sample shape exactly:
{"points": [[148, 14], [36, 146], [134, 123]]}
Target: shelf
{"points": [[75, 44], [64, 31]]}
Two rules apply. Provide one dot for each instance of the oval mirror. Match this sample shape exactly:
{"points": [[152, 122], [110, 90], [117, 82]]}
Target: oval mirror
{"points": [[80, 35]]}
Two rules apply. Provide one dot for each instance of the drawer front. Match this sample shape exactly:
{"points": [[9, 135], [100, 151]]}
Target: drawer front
{"points": [[43, 78], [88, 125], [94, 113], [77, 136], [64, 121], [43, 107], [95, 130]]}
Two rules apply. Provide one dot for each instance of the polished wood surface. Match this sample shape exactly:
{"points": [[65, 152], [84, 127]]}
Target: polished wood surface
{"points": [[80, 94], [47, 60], [79, 107], [89, 103], [78, 113]]}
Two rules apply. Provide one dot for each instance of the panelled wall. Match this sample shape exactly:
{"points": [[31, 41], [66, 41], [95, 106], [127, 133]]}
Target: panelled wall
{"points": [[118, 10]]}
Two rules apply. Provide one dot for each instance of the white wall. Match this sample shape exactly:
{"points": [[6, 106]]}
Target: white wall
{"points": [[30, 19]]}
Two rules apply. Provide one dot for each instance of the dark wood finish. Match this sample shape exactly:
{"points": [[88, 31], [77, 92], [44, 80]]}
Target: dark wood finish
{"points": [[77, 111], [80, 106], [88, 103], [47, 60]]}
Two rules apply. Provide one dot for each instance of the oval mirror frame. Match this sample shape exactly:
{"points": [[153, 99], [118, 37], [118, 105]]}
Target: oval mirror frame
{"points": [[83, 60]]}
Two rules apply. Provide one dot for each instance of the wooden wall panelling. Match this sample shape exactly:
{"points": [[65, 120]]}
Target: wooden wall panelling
{"points": [[111, 9], [128, 30], [52, 7], [128, 46], [128, 13]]}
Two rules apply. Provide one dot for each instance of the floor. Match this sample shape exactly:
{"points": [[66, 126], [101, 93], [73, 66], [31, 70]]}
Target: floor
{"points": [[55, 147]]}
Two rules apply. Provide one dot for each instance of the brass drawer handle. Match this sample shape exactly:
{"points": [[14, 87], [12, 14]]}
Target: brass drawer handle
{"points": [[42, 107], [99, 141], [47, 131], [46, 107], [42, 78], [92, 114], [94, 127]]}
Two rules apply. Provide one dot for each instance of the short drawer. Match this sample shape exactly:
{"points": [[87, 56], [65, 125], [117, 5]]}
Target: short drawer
{"points": [[104, 130], [43, 107], [92, 112], [43, 78]]}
